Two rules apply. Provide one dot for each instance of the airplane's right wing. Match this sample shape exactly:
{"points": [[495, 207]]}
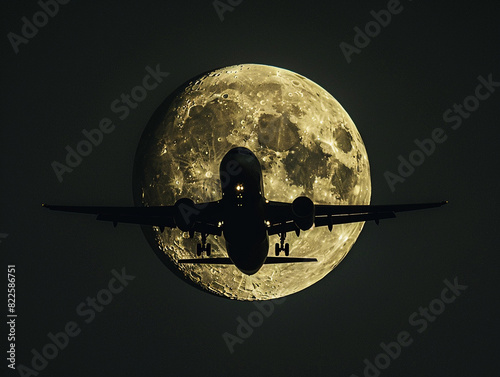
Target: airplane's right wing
{"points": [[158, 216]]}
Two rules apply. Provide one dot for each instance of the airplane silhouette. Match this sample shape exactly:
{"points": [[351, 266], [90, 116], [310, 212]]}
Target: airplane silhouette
{"points": [[244, 216]]}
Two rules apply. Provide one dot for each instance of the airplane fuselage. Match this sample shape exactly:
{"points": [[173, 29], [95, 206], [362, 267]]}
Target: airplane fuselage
{"points": [[247, 242]]}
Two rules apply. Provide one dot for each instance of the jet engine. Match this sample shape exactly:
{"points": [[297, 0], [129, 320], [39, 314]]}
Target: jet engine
{"points": [[185, 214], [303, 212]]}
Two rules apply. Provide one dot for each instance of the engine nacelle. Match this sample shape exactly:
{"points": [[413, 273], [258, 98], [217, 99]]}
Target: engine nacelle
{"points": [[185, 214], [303, 212]]}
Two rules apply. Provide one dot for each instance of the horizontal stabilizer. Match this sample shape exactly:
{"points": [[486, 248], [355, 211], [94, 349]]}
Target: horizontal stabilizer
{"points": [[269, 260], [207, 261], [274, 260]]}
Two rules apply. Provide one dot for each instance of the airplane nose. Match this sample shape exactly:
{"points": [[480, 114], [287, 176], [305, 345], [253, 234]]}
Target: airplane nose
{"points": [[236, 161]]}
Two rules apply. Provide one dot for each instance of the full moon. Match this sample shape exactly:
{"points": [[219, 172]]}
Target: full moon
{"points": [[306, 143]]}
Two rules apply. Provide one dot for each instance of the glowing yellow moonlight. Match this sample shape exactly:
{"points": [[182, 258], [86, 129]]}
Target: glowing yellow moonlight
{"points": [[307, 145]]}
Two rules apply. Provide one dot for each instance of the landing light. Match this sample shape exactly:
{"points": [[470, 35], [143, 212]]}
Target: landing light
{"points": [[239, 187]]}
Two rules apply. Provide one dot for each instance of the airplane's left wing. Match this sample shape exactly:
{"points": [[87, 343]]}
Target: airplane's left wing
{"points": [[302, 214], [185, 215]]}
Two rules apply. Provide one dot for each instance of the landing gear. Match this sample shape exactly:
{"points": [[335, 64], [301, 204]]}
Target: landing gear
{"points": [[282, 246], [203, 246], [198, 249]]}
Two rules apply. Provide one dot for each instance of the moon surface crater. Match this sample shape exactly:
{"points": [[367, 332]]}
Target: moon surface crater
{"points": [[306, 143]]}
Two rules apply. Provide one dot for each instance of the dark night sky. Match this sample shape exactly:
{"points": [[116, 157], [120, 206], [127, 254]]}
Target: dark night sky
{"points": [[396, 90]]}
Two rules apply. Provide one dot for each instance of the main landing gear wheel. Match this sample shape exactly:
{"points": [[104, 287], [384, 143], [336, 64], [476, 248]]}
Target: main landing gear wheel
{"points": [[282, 246], [198, 249], [203, 246]]}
